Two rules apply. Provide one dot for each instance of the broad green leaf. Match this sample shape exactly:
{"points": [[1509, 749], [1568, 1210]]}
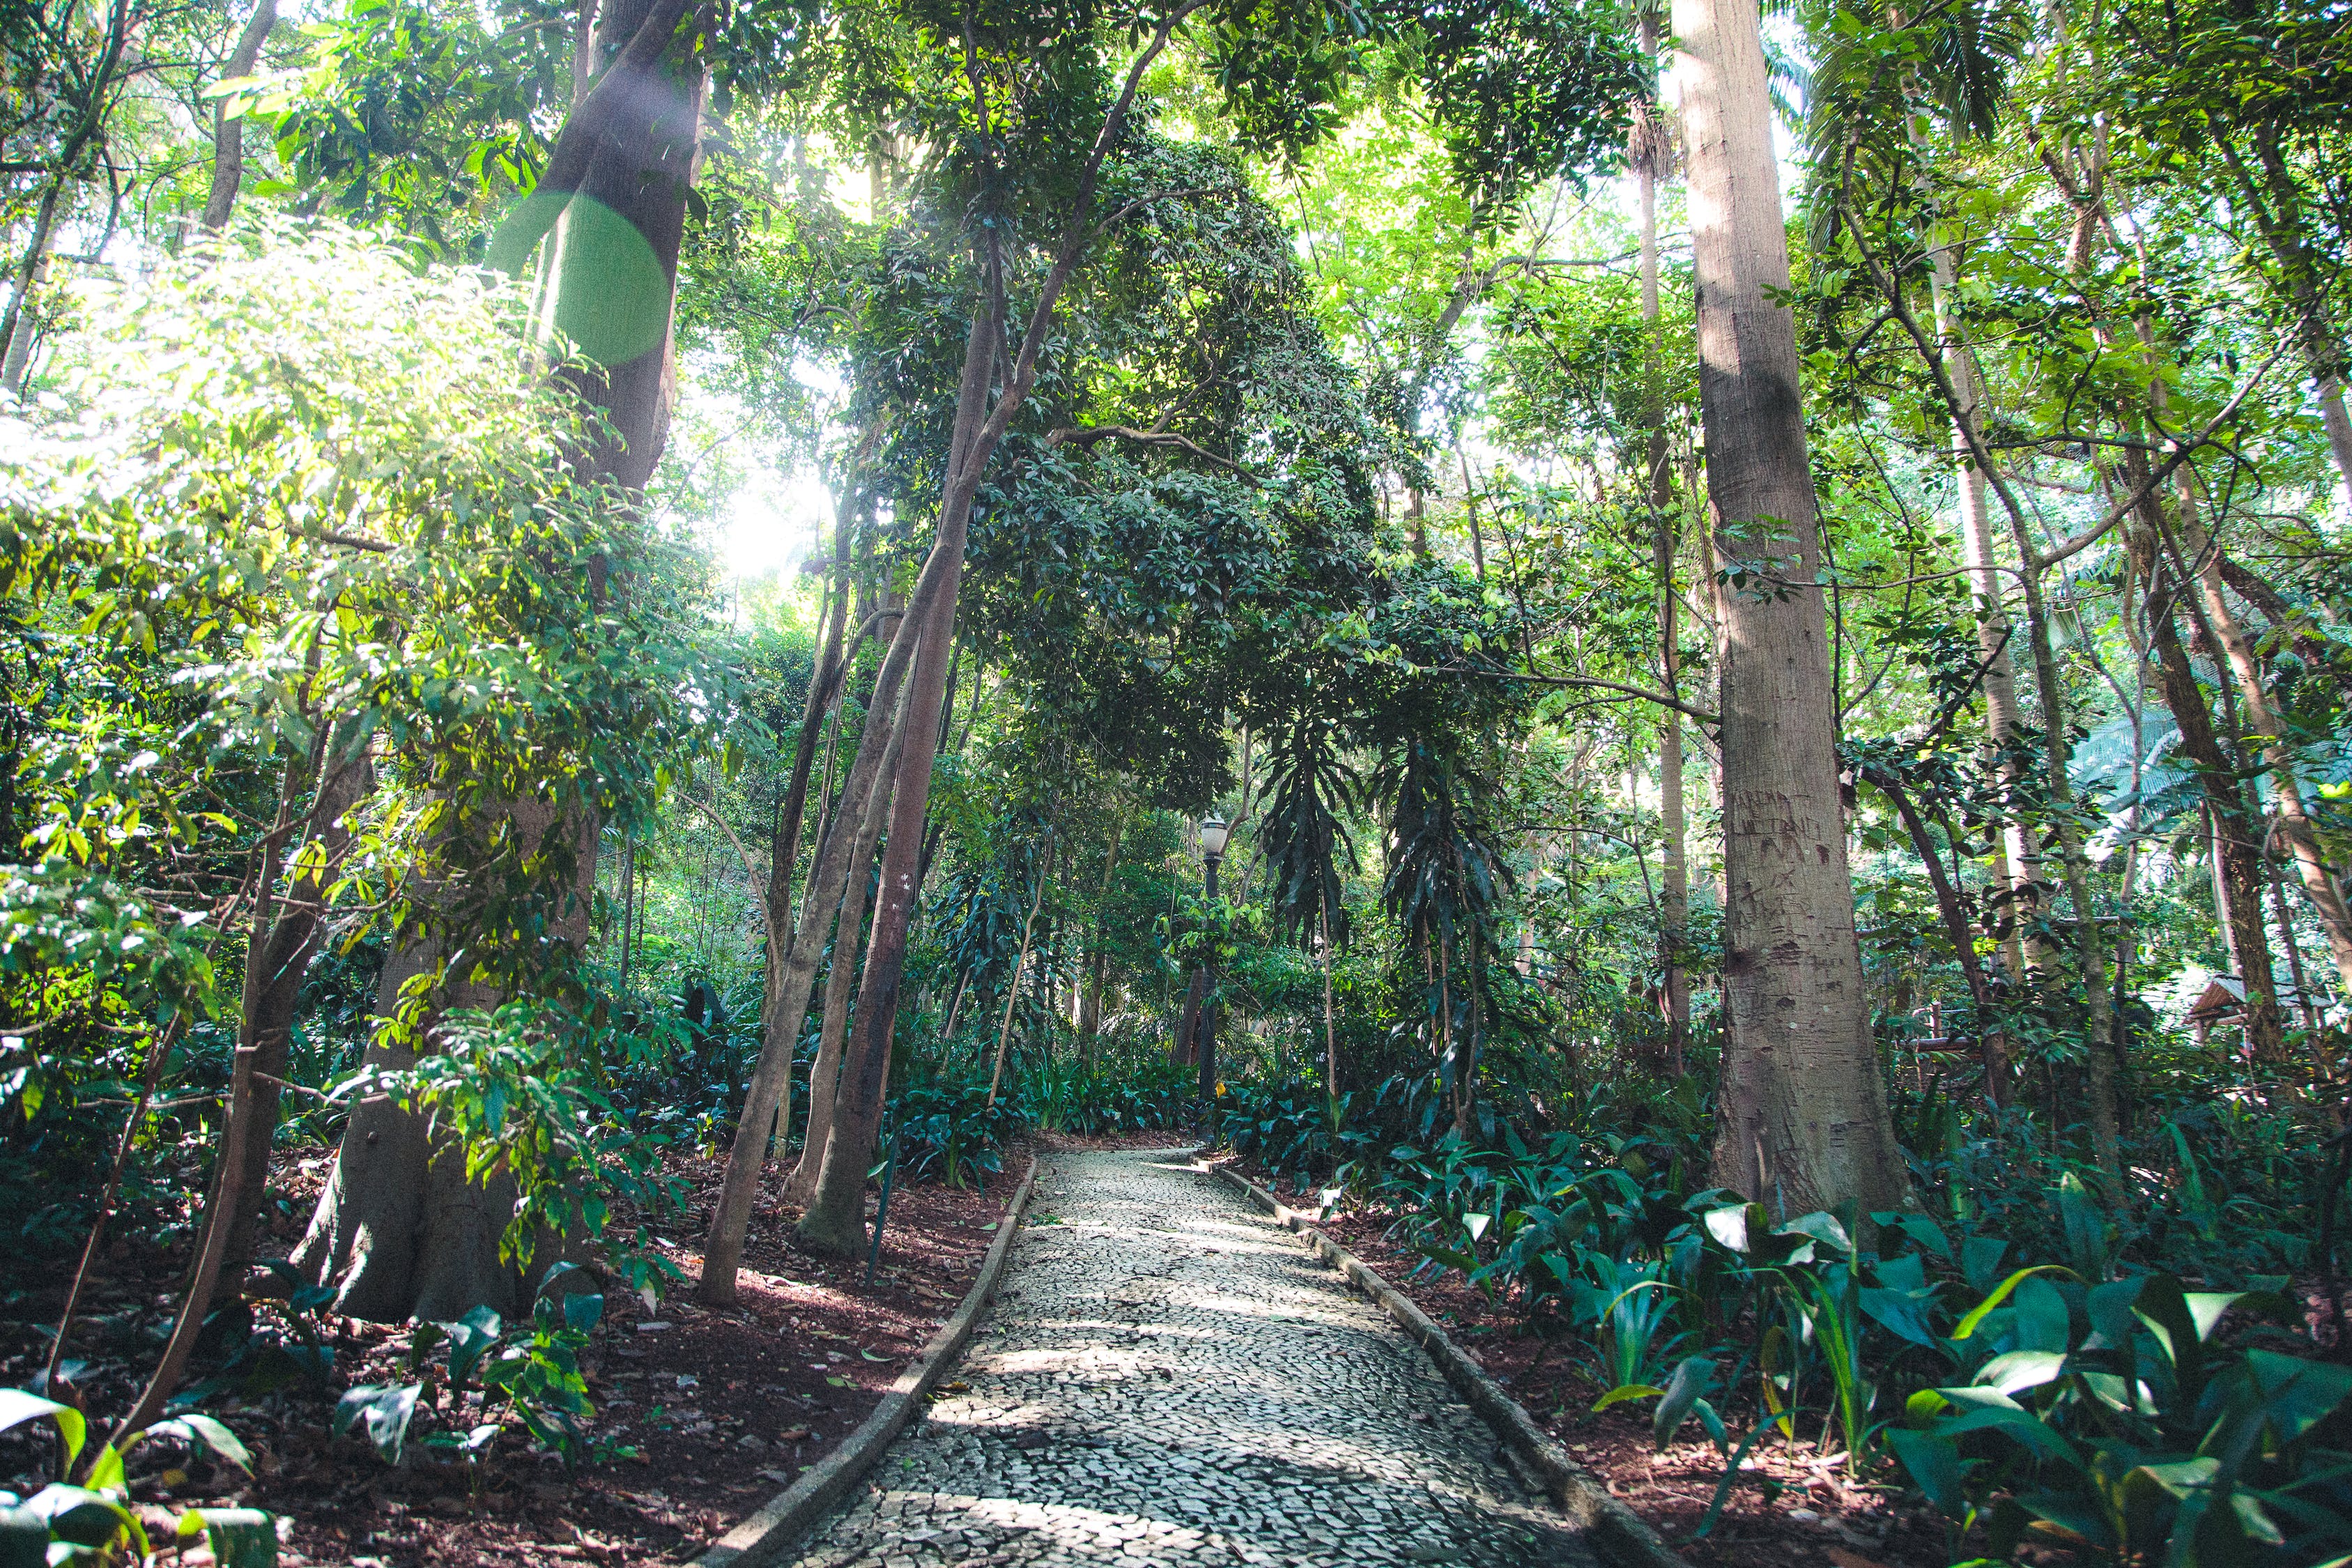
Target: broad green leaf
{"points": [[1935, 1467], [2297, 1395], [2042, 1316], [1624, 1392], [2020, 1369], [1683, 1391], [2001, 1293], [17, 1407]]}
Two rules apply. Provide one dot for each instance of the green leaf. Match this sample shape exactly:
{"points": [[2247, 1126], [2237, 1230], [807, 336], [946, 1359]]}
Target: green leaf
{"points": [[17, 1407], [2020, 1369], [2297, 1395], [385, 1408], [2043, 1323], [1935, 1467], [195, 1429], [24, 1539], [2087, 1229], [2002, 1293], [1683, 1392], [239, 1537], [1624, 1392]]}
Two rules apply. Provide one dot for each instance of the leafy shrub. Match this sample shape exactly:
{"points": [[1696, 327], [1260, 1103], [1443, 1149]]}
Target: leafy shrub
{"points": [[530, 1370]]}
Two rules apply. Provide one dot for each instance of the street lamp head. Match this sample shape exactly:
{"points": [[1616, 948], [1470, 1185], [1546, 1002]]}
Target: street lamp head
{"points": [[1214, 830]]}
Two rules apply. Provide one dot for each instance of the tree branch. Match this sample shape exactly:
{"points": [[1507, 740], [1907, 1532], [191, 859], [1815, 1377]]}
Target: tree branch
{"points": [[1087, 435]]}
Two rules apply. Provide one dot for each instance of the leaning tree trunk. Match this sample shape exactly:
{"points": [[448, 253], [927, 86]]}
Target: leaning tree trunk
{"points": [[2237, 843], [835, 1221], [283, 934], [2294, 824], [722, 1248], [228, 135], [399, 1231], [840, 981], [1804, 1123]]}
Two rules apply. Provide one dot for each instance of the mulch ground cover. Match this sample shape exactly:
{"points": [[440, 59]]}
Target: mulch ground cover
{"points": [[722, 1408], [1794, 1503]]}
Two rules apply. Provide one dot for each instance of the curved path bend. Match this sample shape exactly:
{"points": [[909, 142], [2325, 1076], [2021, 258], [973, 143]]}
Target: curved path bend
{"points": [[1171, 1378]]}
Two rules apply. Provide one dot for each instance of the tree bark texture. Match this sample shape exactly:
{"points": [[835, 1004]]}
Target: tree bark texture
{"points": [[399, 1230], [1804, 1123], [722, 1248], [2237, 840], [849, 934], [2294, 825], [283, 934], [228, 135]]}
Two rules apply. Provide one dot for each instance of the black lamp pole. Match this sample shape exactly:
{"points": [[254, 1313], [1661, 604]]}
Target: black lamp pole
{"points": [[1208, 1025]]}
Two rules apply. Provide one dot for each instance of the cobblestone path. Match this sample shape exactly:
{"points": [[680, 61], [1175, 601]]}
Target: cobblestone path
{"points": [[1169, 1378]]}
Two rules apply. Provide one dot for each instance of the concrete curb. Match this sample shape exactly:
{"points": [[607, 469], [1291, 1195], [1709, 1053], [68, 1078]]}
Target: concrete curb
{"points": [[764, 1536], [1617, 1529]]}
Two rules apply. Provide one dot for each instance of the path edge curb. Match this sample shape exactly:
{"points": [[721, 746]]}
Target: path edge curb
{"points": [[764, 1536], [1616, 1528]]}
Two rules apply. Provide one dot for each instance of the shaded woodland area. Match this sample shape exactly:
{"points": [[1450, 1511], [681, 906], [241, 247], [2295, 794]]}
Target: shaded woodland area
{"points": [[1692, 665]]}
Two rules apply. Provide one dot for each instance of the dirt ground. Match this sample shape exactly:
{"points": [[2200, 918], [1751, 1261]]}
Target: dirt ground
{"points": [[704, 1414], [1795, 1505]]}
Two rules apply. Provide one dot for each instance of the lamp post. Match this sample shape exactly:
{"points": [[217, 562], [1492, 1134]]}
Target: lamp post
{"points": [[1214, 832]]}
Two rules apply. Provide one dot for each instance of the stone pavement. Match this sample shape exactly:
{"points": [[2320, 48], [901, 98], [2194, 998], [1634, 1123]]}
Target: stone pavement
{"points": [[1169, 1378]]}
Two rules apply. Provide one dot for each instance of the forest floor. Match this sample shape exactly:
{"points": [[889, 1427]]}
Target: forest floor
{"points": [[701, 1414], [1799, 1506]]}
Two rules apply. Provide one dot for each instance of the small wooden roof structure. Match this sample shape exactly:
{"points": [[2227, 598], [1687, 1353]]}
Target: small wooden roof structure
{"points": [[2223, 1001]]}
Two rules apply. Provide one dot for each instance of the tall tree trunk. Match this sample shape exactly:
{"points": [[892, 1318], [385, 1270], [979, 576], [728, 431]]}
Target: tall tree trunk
{"points": [[282, 934], [399, 1230], [869, 775], [1650, 149], [228, 135], [1098, 957], [2237, 840], [1804, 1123], [1012, 988], [2294, 824], [849, 933]]}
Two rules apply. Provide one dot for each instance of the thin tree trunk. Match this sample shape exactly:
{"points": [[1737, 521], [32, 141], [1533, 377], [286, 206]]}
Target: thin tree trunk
{"points": [[834, 1223], [2237, 847], [1013, 991], [1183, 1046], [1956, 926], [2285, 918], [2294, 825], [722, 1248], [228, 135], [1331, 1025], [281, 934], [1804, 1123], [849, 931], [283, 963], [784, 841], [1649, 147], [1090, 1003]]}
